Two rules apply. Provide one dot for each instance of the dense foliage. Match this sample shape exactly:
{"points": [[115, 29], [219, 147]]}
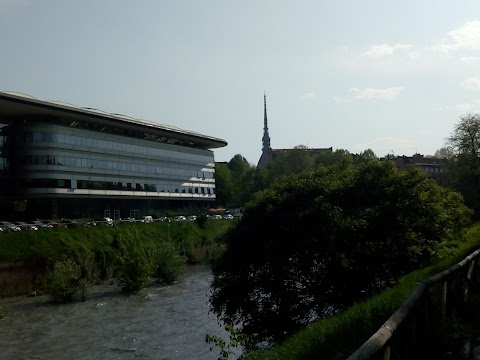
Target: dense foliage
{"points": [[237, 180], [464, 153], [316, 242], [133, 254]]}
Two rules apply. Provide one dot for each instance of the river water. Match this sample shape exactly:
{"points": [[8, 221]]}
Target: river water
{"points": [[167, 322]]}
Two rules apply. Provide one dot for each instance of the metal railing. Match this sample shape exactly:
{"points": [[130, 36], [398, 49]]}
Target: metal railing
{"points": [[407, 334]]}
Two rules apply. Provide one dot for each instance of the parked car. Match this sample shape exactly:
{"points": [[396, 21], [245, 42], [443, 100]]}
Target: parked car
{"points": [[192, 218], [26, 226], [180, 218], [228, 217], [147, 219], [8, 225], [70, 223], [56, 224], [42, 225]]}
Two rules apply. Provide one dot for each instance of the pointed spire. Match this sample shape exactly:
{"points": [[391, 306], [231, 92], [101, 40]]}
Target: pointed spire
{"points": [[266, 149], [266, 137]]}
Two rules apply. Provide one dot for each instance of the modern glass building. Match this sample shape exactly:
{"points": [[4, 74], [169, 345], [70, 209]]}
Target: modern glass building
{"points": [[60, 160]]}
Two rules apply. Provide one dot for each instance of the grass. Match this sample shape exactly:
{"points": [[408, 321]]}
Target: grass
{"points": [[188, 236], [338, 336], [34, 254]]}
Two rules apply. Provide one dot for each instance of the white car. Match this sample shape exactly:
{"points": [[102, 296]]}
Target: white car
{"points": [[10, 226]]}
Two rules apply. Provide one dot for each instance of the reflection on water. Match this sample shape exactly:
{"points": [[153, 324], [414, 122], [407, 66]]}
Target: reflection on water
{"points": [[159, 323]]}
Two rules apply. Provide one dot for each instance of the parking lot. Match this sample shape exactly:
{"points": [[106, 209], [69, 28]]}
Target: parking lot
{"points": [[67, 223]]}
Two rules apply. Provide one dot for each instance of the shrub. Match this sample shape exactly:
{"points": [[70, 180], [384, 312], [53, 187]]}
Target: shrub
{"points": [[63, 280], [134, 263], [169, 263]]}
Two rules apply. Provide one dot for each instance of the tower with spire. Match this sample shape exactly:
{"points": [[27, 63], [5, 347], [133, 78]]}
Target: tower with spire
{"points": [[267, 153]]}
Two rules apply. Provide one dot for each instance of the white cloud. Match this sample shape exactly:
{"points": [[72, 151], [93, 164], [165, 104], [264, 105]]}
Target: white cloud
{"points": [[472, 83], [370, 94], [466, 36], [309, 95], [384, 49]]}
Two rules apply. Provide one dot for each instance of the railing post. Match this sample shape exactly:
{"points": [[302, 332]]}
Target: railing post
{"points": [[386, 353], [443, 300], [468, 281]]}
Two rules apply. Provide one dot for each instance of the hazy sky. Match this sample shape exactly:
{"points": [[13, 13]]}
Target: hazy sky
{"points": [[393, 76]]}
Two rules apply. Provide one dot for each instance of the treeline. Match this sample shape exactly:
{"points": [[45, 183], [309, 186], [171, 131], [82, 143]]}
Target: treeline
{"points": [[69, 260], [237, 180]]}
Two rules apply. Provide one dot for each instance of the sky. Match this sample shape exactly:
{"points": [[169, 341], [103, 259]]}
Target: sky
{"points": [[392, 76]]}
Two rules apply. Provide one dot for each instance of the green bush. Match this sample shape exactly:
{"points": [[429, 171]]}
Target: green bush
{"points": [[63, 280], [169, 264], [134, 263]]}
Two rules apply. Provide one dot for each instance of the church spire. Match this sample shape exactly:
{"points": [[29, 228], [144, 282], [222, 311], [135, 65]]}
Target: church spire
{"points": [[267, 153], [266, 137]]}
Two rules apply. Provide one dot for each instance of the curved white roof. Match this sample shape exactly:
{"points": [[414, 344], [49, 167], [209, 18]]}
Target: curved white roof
{"points": [[59, 105]]}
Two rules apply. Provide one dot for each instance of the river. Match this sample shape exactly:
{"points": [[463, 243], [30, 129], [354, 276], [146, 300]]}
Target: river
{"points": [[168, 322]]}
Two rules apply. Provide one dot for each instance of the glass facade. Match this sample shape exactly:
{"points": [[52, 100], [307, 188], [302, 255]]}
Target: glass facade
{"points": [[62, 160], [109, 164]]}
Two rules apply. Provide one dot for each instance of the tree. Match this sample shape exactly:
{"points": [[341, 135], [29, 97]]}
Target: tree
{"points": [[364, 156], [224, 185], [465, 165], [465, 138], [445, 152], [291, 161], [318, 241], [335, 157]]}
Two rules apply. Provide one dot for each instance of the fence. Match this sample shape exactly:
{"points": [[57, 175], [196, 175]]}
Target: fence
{"points": [[407, 334]]}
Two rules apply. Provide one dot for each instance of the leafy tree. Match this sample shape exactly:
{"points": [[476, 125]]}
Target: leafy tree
{"points": [[465, 165], [465, 138], [224, 185], [364, 156], [239, 166], [445, 152], [292, 161], [316, 242], [334, 157]]}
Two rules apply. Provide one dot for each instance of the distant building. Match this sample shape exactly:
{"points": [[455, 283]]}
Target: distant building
{"points": [[434, 167], [269, 154], [61, 160]]}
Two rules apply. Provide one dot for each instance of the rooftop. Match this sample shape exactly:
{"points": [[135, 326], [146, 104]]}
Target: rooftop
{"points": [[15, 104]]}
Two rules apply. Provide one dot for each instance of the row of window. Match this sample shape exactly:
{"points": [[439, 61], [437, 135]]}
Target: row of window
{"points": [[428, 168], [114, 165], [106, 185], [53, 137]]}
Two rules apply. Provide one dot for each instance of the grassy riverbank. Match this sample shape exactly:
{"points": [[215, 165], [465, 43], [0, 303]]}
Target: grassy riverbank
{"points": [[36, 261], [340, 335]]}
